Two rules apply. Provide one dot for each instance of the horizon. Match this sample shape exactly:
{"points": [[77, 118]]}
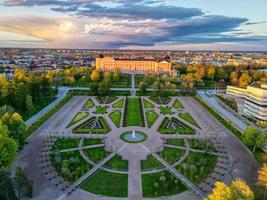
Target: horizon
{"points": [[152, 25]]}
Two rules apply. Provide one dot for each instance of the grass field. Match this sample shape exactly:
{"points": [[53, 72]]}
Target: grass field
{"points": [[107, 184], [161, 184], [177, 104], [171, 155], [165, 110], [117, 163], [118, 104], [78, 117], [151, 117], [89, 104], [150, 163], [187, 117], [101, 110], [116, 118], [133, 112], [147, 104]]}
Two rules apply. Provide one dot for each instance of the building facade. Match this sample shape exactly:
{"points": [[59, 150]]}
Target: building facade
{"points": [[133, 65], [255, 99]]}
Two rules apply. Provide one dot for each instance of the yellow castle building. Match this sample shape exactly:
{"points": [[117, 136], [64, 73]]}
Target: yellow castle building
{"points": [[133, 65]]}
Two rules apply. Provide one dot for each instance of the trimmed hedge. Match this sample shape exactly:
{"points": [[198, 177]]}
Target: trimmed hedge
{"points": [[184, 130], [101, 120]]}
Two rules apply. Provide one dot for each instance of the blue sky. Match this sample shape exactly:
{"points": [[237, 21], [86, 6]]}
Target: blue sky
{"points": [[134, 24]]}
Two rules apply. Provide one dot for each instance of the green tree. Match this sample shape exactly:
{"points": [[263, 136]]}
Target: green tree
{"points": [[221, 74], [103, 89], [22, 184], [254, 138], [29, 105], [142, 87], [17, 128]]}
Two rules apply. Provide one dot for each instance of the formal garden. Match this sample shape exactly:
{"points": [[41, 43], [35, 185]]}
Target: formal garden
{"points": [[97, 154]]}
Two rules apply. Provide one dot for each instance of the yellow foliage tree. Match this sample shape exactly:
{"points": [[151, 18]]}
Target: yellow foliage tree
{"points": [[95, 75], [238, 190], [262, 176]]}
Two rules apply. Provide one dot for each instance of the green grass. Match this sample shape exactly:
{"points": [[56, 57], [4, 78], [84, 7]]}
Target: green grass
{"points": [[161, 184], [187, 117], [65, 143], [89, 104], [116, 118], [171, 155], [176, 142], [151, 117], [107, 184], [78, 117], [91, 141], [70, 165], [101, 110], [147, 105], [165, 110], [150, 163], [133, 112], [117, 163], [177, 104], [96, 154], [197, 166], [118, 104]]}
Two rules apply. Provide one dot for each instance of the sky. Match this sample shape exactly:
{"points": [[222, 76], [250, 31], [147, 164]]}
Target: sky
{"points": [[135, 24]]}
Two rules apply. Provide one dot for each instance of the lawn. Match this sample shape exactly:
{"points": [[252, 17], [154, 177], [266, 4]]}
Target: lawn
{"points": [[133, 113], [117, 163], [171, 155], [187, 117], [118, 104], [89, 104], [70, 165], [96, 154], [175, 142], [91, 141], [161, 184], [177, 104], [101, 110], [107, 184], [116, 118], [165, 110], [150, 163], [78, 117], [65, 143], [147, 104], [151, 117], [197, 166]]}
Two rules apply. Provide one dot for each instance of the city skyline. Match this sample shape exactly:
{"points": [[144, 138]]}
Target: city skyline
{"points": [[142, 24]]}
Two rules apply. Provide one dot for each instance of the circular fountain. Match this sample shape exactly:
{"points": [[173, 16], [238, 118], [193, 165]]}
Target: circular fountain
{"points": [[133, 136]]}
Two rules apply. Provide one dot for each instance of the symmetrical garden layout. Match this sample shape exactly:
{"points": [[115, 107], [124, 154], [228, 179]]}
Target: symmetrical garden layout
{"points": [[97, 149]]}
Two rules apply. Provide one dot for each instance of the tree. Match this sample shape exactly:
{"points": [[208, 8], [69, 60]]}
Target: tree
{"points": [[244, 80], [29, 104], [17, 128], [211, 73], [22, 184], [262, 182], [95, 76], [254, 138], [238, 190], [107, 75], [142, 87], [103, 89], [8, 149], [116, 74], [234, 78], [156, 87], [221, 74]]}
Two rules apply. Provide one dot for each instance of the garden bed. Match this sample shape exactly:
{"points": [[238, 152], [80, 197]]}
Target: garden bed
{"points": [[116, 118], [160, 100], [181, 128], [83, 128], [80, 116]]}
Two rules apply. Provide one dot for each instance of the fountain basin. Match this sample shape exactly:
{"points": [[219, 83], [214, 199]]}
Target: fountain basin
{"points": [[136, 137]]}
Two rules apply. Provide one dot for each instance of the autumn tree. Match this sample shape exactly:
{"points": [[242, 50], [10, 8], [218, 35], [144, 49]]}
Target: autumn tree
{"points": [[142, 87], [234, 78], [211, 73], [238, 190], [95, 76], [244, 80]]}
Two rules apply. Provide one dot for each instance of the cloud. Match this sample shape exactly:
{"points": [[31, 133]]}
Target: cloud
{"points": [[123, 23], [45, 28]]}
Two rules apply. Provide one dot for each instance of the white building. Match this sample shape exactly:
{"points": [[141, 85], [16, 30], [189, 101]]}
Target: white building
{"points": [[255, 99]]}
